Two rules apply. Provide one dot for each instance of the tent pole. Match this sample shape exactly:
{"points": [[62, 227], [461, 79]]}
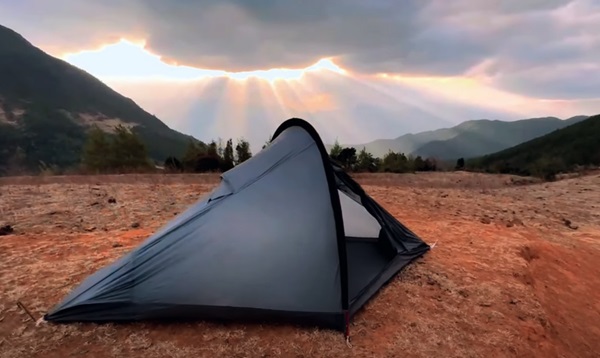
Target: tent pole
{"points": [[347, 330]]}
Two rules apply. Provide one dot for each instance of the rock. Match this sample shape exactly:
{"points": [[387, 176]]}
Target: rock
{"points": [[90, 228], [486, 220], [94, 203], [116, 244], [112, 200], [569, 224], [485, 304], [6, 230], [135, 225]]}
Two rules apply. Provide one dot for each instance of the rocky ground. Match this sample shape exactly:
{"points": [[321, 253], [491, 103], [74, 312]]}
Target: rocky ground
{"points": [[514, 272]]}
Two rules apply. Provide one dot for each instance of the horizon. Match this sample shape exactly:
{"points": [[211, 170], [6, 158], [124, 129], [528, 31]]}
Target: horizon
{"points": [[434, 71]]}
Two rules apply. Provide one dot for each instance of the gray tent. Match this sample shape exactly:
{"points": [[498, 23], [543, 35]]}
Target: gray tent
{"points": [[287, 235]]}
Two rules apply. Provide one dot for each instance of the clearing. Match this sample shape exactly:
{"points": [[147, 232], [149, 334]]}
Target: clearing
{"points": [[514, 273]]}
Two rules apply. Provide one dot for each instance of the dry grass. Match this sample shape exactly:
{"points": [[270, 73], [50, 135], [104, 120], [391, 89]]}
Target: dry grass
{"points": [[507, 277]]}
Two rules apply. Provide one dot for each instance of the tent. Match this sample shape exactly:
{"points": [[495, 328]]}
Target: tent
{"points": [[286, 235]]}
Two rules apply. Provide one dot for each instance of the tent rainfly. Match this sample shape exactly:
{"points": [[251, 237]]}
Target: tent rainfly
{"points": [[287, 235]]}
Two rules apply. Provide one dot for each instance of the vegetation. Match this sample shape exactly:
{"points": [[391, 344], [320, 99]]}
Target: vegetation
{"points": [[44, 138], [563, 150], [121, 152], [392, 162]]}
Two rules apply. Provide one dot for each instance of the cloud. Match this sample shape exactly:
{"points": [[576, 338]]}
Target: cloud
{"points": [[543, 48]]}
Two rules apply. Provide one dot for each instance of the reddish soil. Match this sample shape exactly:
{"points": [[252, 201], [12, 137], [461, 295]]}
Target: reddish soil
{"points": [[514, 272]]}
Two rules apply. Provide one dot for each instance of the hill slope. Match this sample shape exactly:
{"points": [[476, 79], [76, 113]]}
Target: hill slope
{"points": [[561, 150], [46, 106], [469, 139]]}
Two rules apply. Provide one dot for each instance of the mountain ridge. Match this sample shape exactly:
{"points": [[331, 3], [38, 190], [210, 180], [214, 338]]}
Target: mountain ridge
{"points": [[38, 87], [470, 138], [558, 151]]}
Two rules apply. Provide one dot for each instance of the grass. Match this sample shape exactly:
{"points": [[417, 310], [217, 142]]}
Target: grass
{"points": [[474, 295]]}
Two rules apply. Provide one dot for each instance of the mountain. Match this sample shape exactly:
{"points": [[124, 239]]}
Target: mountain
{"points": [[47, 105], [560, 150], [469, 139]]}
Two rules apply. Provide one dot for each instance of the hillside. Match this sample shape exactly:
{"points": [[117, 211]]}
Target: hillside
{"points": [[469, 139], [560, 150], [46, 105]]}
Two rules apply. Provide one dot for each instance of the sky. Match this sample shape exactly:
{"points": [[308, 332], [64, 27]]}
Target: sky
{"points": [[357, 70]]}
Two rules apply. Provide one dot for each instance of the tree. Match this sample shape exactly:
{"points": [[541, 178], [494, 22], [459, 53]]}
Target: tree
{"points": [[173, 164], [347, 158], [419, 164], [430, 165], [365, 162], [96, 154], [242, 150], [335, 151], [207, 163], [128, 151], [192, 153], [213, 149], [460, 164], [395, 163], [228, 159], [220, 149]]}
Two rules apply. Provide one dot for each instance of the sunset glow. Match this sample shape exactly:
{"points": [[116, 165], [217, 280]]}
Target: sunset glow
{"points": [[130, 60], [243, 104]]}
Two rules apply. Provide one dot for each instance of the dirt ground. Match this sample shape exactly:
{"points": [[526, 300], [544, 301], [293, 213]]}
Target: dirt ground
{"points": [[514, 272]]}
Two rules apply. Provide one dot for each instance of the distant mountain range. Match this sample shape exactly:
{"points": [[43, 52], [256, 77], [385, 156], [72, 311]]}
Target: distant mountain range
{"points": [[47, 105], [469, 139], [558, 151]]}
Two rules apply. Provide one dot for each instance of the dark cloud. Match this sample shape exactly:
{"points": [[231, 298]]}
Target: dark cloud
{"points": [[522, 40]]}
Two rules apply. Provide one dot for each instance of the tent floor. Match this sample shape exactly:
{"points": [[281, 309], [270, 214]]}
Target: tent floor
{"points": [[365, 262]]}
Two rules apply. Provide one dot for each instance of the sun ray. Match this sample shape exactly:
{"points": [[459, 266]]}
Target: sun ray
{"points": [[332, 121], [392, 97], [360, 94], [471, 92], [276, 92]]}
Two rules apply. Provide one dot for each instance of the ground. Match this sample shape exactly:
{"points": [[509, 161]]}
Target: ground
{"points": [[514, 271]]}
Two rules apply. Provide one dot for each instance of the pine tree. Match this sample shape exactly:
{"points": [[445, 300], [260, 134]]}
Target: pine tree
{"points": [[336, 150], [242, 150], [365, 162], [213, 149], [128, 151], [228, 158], [96, 151], [192, 153]]}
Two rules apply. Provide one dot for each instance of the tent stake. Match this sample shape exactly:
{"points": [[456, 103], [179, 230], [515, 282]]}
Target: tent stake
{"points": [[347, 331]]}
